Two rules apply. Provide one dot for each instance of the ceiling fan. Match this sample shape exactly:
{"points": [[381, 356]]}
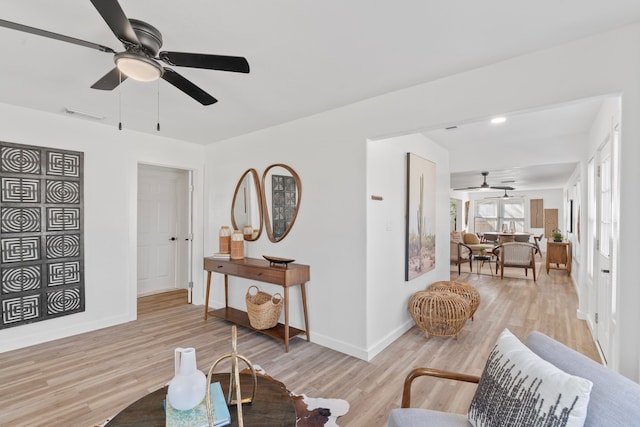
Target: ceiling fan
{"points": [[140, 57], [486, 186], [505, 196]]}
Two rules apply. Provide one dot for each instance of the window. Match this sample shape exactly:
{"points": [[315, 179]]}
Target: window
{"points": [[499, 214]]}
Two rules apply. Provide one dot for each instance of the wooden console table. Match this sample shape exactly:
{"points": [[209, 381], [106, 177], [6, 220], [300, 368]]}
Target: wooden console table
{"points": [[263, 271], [559, 253]]}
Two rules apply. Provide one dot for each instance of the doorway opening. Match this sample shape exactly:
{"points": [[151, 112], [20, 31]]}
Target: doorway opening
{"points": [[164, 230]]}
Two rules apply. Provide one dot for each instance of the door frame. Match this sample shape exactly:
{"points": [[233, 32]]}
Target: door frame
{"points": [[184, 256], [613, 139]]}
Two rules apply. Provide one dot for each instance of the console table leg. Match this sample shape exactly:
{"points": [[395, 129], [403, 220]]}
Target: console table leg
{"points": [[226, 291], [286, 319], [206, 298], [304, 309]]}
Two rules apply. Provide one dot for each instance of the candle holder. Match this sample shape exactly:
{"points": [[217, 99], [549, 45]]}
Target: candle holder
{"points": [[247, 230], [224, 239], [237, 245]]}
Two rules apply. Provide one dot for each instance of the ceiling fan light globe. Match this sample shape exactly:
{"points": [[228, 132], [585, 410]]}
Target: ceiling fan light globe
{"points": [[138, 67]]}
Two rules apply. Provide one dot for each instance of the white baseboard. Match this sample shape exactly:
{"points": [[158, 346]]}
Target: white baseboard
{"points": [[33, 333]]}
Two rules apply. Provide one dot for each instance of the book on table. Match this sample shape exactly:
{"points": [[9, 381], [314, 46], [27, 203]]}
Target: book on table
{"points": [[197, 417], [221, 255]]}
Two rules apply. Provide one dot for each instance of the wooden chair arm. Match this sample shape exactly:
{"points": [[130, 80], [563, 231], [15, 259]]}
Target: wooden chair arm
{"points": [[419, 372], [460, 246]]}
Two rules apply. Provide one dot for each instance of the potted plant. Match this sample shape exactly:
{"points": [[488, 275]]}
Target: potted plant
{"points": [[557, 235]]}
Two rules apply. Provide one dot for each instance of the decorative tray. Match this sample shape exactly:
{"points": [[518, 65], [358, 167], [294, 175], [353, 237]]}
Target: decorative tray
{"points": [[277, 260]]}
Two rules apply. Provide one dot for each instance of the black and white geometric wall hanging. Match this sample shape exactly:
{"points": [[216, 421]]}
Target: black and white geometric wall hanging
{"points": [[41, 234]]}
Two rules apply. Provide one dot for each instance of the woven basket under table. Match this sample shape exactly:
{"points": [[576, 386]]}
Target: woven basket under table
{"points": [[439, 313], [263, 308], [463, 289]]}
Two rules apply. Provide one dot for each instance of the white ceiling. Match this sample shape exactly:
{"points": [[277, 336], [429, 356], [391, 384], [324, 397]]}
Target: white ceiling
{"points": [[530, 150], [306, 57]]}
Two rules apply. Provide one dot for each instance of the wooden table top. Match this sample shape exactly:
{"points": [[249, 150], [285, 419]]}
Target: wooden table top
{"points": [[272, 405]]}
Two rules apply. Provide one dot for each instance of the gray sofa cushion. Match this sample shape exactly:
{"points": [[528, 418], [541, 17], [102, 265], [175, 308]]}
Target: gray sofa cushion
{"points": [[615, 400], [425, 417]]}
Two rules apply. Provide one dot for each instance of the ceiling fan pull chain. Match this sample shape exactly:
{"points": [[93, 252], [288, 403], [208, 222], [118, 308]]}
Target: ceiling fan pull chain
{"points": [[120, 100], [158, 126]]}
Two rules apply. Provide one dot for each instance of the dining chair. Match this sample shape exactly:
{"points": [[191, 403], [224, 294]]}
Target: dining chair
{"points": [[536, 242], [516, 254], [461, 253]]}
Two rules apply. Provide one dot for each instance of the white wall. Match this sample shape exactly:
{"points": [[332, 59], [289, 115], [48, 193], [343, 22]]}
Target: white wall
{"points": [[387, 293], [110, 186], [328, 232], [329, 152]]}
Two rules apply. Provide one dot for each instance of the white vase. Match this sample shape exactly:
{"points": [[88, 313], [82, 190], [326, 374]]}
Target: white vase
{"points": [[189, 385]]}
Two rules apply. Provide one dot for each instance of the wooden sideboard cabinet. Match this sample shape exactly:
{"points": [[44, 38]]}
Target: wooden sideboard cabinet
{"points": [[559, 256], [263, 271]]}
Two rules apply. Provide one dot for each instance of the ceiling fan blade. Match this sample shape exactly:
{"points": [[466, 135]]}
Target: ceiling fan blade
{"points": [[236, 64], [115, 18], [52, 35], [466, 188], [502, 187], [110, 81], [187, 87]]}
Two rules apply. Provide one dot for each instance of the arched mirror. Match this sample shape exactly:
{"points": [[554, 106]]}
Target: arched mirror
{"points": [[246, 208], [281, 194]]}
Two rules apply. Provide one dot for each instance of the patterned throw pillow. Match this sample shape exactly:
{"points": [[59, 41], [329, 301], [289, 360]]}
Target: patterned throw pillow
{"points": [[518, 388]]}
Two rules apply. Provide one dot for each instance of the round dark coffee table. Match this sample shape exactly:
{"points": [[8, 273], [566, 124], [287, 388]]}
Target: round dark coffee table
{"points": [[272, 405]]}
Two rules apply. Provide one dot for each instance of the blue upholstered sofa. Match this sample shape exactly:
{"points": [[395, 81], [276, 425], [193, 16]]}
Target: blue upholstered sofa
{"points": [[614, 399]]}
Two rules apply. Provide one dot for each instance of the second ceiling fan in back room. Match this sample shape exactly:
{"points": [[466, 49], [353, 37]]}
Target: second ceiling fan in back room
{"points": [[141, 56], [505, 196], [486, 186]]}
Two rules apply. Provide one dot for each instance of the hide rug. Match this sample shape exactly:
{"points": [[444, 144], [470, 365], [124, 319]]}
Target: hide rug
{"points": [[312, 411]]}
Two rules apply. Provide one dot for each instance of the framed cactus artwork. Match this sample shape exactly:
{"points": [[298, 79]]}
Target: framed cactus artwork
{"points": [[421, 217]]}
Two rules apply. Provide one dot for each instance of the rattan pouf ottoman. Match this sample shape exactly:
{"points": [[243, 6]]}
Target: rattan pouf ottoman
{"points": [[439, 313], [463, 289]]}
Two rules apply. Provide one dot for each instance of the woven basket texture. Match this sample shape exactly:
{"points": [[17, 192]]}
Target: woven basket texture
{"points": [[263, 308], [439, 313], [463, 289]]}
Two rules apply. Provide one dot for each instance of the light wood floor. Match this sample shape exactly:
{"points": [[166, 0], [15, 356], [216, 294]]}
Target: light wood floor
{"points": [[82, 380]]}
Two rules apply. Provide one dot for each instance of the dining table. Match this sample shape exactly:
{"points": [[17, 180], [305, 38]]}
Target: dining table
{"points": [[503, 237]]}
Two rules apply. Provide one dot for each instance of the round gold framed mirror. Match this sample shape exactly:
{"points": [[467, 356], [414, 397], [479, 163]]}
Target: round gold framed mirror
{"points": [[281, 195], [247, 206]]}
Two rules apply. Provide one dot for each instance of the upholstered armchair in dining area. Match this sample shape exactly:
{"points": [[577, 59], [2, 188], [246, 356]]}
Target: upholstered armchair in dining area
{"points": [[516, 254], [461, 253]]}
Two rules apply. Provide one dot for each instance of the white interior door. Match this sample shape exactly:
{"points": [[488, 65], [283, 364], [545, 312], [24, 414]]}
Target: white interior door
{"points": [[602, 276], [161, 229]]}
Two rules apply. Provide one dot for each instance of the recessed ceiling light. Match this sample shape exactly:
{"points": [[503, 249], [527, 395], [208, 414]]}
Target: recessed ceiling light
{"points": [[497, 120]]}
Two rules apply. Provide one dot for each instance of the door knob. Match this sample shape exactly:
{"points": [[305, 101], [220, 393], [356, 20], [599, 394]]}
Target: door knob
{"points": [[173, 238]]}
